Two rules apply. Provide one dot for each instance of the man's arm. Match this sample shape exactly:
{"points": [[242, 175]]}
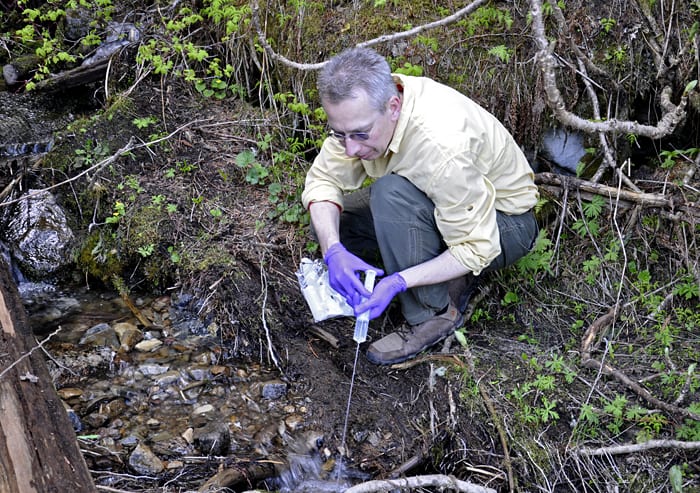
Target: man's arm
{"points": [[444, 267], [325, 217]]}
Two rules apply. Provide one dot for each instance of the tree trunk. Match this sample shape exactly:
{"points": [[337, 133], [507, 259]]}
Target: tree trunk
{"points": [[38, 449]]}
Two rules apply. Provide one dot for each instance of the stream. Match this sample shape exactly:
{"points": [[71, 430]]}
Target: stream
{"points": [[163, 404]]}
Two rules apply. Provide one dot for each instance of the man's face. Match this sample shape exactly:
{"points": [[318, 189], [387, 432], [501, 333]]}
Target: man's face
{"points": [[363, 130]]}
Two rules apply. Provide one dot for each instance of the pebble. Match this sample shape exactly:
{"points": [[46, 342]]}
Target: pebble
{"points": [[67, 393], [206, 408], [214, 438], [129, 335], [100, 335], [150, 369], [143, 461], [274, 389], [148, 345], [158, 388], [293, 422]]}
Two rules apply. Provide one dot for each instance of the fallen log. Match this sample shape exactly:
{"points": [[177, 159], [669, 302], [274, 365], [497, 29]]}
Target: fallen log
{"points": [[78, 76], [38, 447]]}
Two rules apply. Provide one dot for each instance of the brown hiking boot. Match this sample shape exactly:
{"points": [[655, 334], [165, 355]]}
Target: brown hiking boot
{"points": [[462, 289], [402, 345]]}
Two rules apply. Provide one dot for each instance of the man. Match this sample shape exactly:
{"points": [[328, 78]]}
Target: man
{"points": [[451, 197]]}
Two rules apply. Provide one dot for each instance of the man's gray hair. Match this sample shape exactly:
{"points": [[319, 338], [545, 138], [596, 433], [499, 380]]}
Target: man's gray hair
{"points": [[357, 69]]}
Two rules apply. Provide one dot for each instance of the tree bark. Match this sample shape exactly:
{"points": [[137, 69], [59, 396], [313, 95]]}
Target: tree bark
{"points": [[38, 449]]}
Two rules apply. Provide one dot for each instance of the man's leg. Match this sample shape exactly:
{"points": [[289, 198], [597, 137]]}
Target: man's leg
{"points": [[517, 235], [407, 235]]}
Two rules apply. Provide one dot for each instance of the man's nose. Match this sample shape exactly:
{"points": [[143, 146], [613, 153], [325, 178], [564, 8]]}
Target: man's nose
{"points": [[351, 148]]}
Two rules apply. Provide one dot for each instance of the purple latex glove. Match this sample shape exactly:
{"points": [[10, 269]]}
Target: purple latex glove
{"points": [[382, 295], [343, 268]]}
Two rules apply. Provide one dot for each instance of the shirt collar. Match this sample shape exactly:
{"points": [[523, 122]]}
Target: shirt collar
{"points": [[406, 110]]}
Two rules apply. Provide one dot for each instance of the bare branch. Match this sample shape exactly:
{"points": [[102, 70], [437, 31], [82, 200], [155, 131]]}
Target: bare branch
{"points": [[666, 125], [381, 39], [638, 447]]}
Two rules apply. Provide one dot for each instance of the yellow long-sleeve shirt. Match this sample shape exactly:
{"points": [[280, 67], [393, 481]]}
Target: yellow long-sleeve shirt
{"points": [[454, 151]]}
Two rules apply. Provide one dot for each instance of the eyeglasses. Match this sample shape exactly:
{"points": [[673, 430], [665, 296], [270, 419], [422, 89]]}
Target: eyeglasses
{"points": [[357, 136]]}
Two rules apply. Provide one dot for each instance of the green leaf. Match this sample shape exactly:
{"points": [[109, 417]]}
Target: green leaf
{"points": [[675, 477], [690, 86], [245, 158]]}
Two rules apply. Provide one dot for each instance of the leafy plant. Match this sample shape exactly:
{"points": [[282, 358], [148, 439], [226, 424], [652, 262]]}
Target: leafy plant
{"points": [[607, 23], [539, 259], [117, 214], [503, 53]]}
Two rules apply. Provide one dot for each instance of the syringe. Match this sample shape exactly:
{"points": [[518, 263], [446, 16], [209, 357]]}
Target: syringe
{"points": [[362, 322]]}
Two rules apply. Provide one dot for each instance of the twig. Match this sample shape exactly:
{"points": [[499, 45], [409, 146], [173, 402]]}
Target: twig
{"points": [[572, 183], [637, 447], [264, 287], [40, 345]]}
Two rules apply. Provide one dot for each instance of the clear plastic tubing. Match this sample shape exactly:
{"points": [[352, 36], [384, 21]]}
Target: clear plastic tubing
{"points": [[362, 322]]}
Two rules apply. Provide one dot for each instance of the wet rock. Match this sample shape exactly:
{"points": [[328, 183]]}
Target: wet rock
{"points": [[144, 461], [293, 422], [160, 304], [148, 346], [151, 369], [68, 393], [167, 378], [46, 309], [214, 438], [129, 441], [200, 373], [40, 235], [274, 390], [100, 335], [188, 435], [204, 409], [114, 408], [95, 420], [129, 335]]}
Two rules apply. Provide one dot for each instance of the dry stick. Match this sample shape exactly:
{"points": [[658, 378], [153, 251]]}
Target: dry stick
{"points": [[264, 287], [381, 39], [413, 483], [128, 147], [40, 345], [638, 447], [667, 123], [589, 362], [97, 166], [645, 199], [6, 191]]}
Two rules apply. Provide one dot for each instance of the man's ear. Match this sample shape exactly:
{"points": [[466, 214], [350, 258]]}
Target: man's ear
{"points": [[395, 103]]}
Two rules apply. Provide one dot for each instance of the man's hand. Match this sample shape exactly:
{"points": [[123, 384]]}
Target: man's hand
{"points": [[342, 273], [382, 295]]}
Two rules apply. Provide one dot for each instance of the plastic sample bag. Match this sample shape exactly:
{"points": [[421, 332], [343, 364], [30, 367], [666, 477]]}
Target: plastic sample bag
{"points": [[324, 301]]}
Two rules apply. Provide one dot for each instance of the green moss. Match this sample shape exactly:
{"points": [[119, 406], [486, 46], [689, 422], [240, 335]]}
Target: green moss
{"points": [[98, 256]]}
